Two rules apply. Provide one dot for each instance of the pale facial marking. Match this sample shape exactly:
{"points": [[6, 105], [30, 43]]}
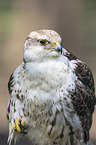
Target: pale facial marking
{"points": [[33, 50]]}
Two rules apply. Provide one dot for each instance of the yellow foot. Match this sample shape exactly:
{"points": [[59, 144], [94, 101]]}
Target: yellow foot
{"points": [[19, 126]]}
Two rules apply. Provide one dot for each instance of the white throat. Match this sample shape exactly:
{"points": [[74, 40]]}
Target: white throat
{"points": [[50, 74]]}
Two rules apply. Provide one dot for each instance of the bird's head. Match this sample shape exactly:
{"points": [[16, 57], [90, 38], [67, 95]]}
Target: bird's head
{"points": [[42, 44]]}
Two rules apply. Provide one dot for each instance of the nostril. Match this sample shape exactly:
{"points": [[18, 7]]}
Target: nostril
{"points": [[58, 48]]}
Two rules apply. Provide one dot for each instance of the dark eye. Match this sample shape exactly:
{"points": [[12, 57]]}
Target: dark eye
{"points": [[43, 42]]}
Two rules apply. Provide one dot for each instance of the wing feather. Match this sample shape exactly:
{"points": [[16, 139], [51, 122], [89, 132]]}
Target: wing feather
{"points": [[83, 98]]}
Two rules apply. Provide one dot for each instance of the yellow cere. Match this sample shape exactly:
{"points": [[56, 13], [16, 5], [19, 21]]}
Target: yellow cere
{"points": [[55, 44]]}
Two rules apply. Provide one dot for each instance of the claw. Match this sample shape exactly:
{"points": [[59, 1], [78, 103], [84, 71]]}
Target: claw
{"points": [[19, 126]]}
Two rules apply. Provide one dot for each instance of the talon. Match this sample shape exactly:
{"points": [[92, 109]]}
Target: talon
{"points": [[17, 123], [22, 123], [19, 126], [14, 126]]}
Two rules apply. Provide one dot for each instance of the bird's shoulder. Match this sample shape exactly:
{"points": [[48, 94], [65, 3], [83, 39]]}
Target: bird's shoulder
{"points": [[82, 70], [83, 98]]}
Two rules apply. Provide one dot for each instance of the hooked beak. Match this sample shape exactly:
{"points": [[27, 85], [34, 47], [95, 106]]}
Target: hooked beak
{"points": [[56, 47]]}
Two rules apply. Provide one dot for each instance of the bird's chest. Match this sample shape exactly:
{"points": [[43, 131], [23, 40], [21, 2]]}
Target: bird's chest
{"points": [[46, 84], [48, 75], [48, 80]]}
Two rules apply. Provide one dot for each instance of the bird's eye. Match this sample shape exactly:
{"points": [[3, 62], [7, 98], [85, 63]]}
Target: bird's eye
{"points": [[43, 42]]}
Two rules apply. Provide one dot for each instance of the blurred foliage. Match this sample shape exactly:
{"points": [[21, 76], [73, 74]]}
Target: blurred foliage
{"points": [[5, 19]]}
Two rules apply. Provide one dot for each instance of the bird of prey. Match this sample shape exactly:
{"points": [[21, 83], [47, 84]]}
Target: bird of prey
{"points": [[52, 94]]}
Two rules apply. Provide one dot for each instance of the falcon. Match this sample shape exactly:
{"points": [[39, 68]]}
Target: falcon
{"points": [[52, 94]]}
